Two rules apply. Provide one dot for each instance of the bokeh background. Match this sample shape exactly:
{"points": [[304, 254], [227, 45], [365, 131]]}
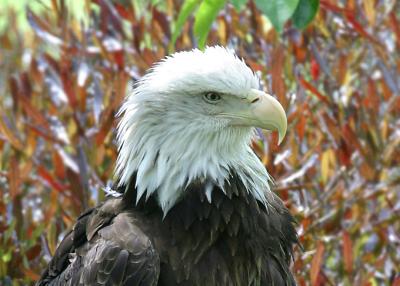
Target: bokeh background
{"points": [[64, 68]]}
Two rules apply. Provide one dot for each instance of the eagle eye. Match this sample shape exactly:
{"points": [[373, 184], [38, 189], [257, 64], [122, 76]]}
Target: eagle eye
{"points": [[212, 97]]}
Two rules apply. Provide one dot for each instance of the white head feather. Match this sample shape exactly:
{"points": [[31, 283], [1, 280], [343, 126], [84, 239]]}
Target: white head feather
{"points": [[170, 136]]}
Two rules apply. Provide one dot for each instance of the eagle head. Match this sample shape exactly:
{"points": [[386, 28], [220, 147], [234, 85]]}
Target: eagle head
{"points": [[192, 117]]}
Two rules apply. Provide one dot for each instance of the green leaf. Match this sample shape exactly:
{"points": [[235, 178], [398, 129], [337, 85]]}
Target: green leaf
{"points": [[140, 7], [305, 12], [6, 257], [238, 4], [187, 8], [205, 16], [277, 11]]}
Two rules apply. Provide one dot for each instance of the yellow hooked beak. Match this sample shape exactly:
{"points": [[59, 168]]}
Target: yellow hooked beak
{"points": [[263, 111]]}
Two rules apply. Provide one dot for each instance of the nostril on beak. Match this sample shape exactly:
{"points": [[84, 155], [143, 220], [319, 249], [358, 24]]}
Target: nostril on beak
{"points": [[255, 100]]}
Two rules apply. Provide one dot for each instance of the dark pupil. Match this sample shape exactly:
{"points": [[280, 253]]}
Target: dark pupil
{"points": [[213, 96]]}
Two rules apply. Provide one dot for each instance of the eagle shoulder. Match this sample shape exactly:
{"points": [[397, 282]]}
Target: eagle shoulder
{"points": [[105, 247]]}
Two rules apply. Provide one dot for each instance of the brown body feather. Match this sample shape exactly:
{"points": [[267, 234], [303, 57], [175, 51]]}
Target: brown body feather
{"points": [[232, 240]]}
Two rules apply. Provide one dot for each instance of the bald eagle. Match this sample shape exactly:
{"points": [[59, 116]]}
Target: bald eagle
{"points": [[195, 204]]}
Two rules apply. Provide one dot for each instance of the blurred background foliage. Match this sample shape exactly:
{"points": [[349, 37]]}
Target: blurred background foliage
{"points": [[64, 67]]}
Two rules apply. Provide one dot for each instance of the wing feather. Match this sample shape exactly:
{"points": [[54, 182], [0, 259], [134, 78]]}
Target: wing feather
{"points": [[107, 248]]}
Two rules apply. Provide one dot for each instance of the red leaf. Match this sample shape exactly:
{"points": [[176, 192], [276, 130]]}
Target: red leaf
{"points": [[119, 59], [300, 126], [344, 153], [125, 13], [162, 21], [328, 5], [33, 252], [313, 90], [277, 72], [351, 139], [42, 172], [396, 282], [68, 85], [138, 29], [314, 69], [347, 252], [109, 15], [350, 16], [359, 28], [45, 134]]}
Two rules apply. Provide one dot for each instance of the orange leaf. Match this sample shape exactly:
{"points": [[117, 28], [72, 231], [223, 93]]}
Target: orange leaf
{"points": [[13, 178], [325, 166], [351, 5], [9, 135], [367, 171], [395, 26], [255, 66], [370, 11], [148, 56], [341, 68], [58, 164], [106, 125], [52, 207], [371, 100], [31, 274], [37, 116], [316, 263], [25, 170]]}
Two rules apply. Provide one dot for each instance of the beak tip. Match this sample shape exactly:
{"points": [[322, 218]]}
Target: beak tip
{"points": [[282, 130], [281, 136]]}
